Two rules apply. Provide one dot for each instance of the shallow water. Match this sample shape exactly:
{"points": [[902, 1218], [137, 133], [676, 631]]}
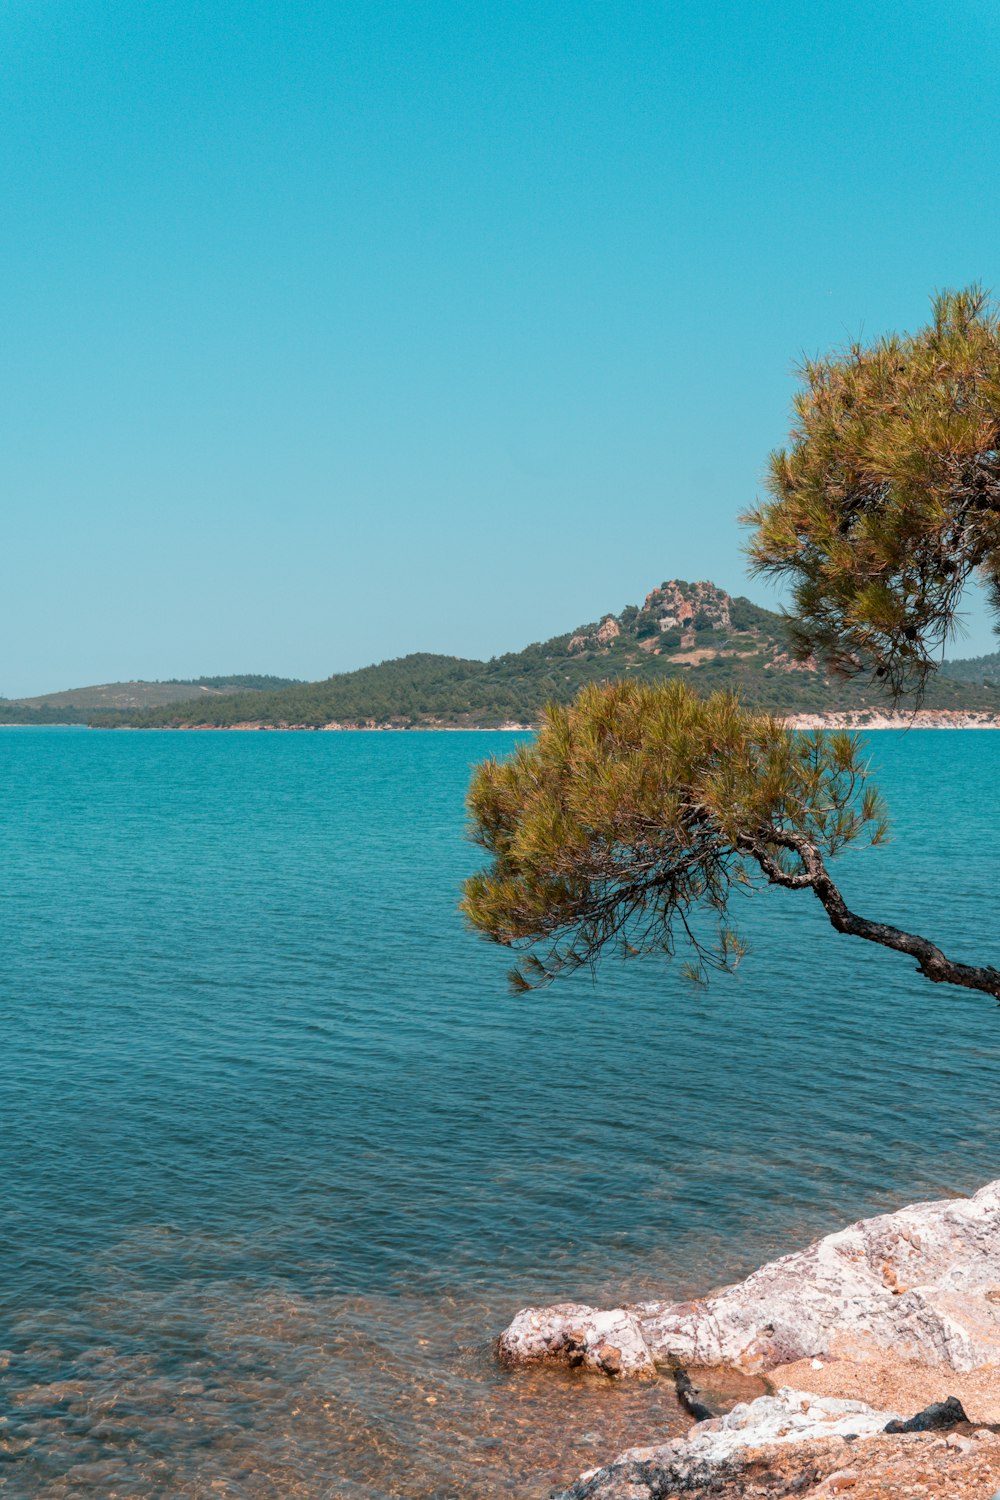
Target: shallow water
{"points": [[281, 1155]]}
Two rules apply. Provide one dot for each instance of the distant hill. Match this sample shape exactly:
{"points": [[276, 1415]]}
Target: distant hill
{"points": [[139, 695], [694, 630], [975, 669]]}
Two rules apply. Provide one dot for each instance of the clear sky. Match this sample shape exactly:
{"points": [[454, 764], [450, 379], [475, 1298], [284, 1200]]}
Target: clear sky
{"points": [[332, 331]]}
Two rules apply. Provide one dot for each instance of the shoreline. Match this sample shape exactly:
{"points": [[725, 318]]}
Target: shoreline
{"points": [[260, 727], [887, 1315], [850, 719], [921, 718]]}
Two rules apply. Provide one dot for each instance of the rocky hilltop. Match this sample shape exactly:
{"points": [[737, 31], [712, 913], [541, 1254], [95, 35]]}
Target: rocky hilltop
{"points": [[671, 614], [897, 1311]]}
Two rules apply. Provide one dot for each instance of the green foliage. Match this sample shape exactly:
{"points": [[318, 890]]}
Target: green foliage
{"points": [[12, 712], [639, 807], [113, 699], [751, 617], [251, 681], [885, 503], [980, 670]]}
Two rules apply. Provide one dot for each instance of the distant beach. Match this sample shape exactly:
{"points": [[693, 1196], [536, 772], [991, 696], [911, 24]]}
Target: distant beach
{"points": [[924, 718], [868, 719]]}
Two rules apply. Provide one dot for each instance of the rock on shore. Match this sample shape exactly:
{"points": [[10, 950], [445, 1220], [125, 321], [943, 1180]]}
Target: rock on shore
{"points": [[795, 1443], [717, 1451], [571, 1333], [921, 718], [921, 1285]]}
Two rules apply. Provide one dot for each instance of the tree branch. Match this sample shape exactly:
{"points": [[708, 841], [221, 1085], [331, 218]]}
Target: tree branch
{"points": [[931, 962]]}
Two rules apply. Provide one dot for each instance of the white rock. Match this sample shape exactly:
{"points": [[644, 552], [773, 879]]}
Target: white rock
{"points": [[573, 1334], [790, 1417], [922, 1284], [713, 1450]]}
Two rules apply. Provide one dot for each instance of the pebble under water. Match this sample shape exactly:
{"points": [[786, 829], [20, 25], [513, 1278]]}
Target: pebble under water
{"points": [[282, 1155]]}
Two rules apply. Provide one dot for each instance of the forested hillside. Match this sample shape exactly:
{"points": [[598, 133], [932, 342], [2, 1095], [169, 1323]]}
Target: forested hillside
{"points": [[695, 630], [978, 670], [142, 694]]}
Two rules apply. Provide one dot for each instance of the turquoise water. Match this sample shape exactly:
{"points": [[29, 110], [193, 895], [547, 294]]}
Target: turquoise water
{"points": [[281, 1155]]}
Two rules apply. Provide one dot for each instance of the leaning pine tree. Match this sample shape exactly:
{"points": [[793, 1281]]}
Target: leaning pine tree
{"points": [[639, 811]]}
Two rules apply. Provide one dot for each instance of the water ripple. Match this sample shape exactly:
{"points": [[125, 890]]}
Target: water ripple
{"points": [[281, 1155]]}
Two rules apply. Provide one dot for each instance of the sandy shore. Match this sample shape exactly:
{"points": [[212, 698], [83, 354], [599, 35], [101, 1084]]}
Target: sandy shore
{"points": [[867, 719], [923, 718], [885, 1381]]}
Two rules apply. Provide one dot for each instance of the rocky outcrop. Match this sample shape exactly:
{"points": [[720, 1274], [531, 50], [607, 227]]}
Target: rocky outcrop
{"points": [[608, 629], [672, 607], [921, 1285], [572, 1334], [677, 605], [716, 1452], [794, 1443]]}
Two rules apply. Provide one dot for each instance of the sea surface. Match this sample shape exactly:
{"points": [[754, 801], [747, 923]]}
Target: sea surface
{"points": [[281, 1155]]}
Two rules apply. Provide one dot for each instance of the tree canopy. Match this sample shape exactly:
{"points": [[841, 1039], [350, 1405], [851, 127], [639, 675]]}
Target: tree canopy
{"points": [[642, 809], [887, 500]]}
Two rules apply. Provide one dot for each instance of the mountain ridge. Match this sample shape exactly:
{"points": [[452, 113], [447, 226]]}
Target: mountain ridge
{"points": [[141, 693], [695, 630], [980, 670]]}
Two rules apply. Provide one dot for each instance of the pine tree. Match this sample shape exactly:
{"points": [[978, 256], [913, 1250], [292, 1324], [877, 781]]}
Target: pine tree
{"points": [[639, 811], [887, 501]]}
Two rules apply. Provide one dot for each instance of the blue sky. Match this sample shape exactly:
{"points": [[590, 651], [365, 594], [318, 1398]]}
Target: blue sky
{"points": [[332, 331]]}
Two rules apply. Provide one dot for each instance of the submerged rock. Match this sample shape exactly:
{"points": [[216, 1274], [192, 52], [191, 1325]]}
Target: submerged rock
{"points": [[922, 1285]]}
